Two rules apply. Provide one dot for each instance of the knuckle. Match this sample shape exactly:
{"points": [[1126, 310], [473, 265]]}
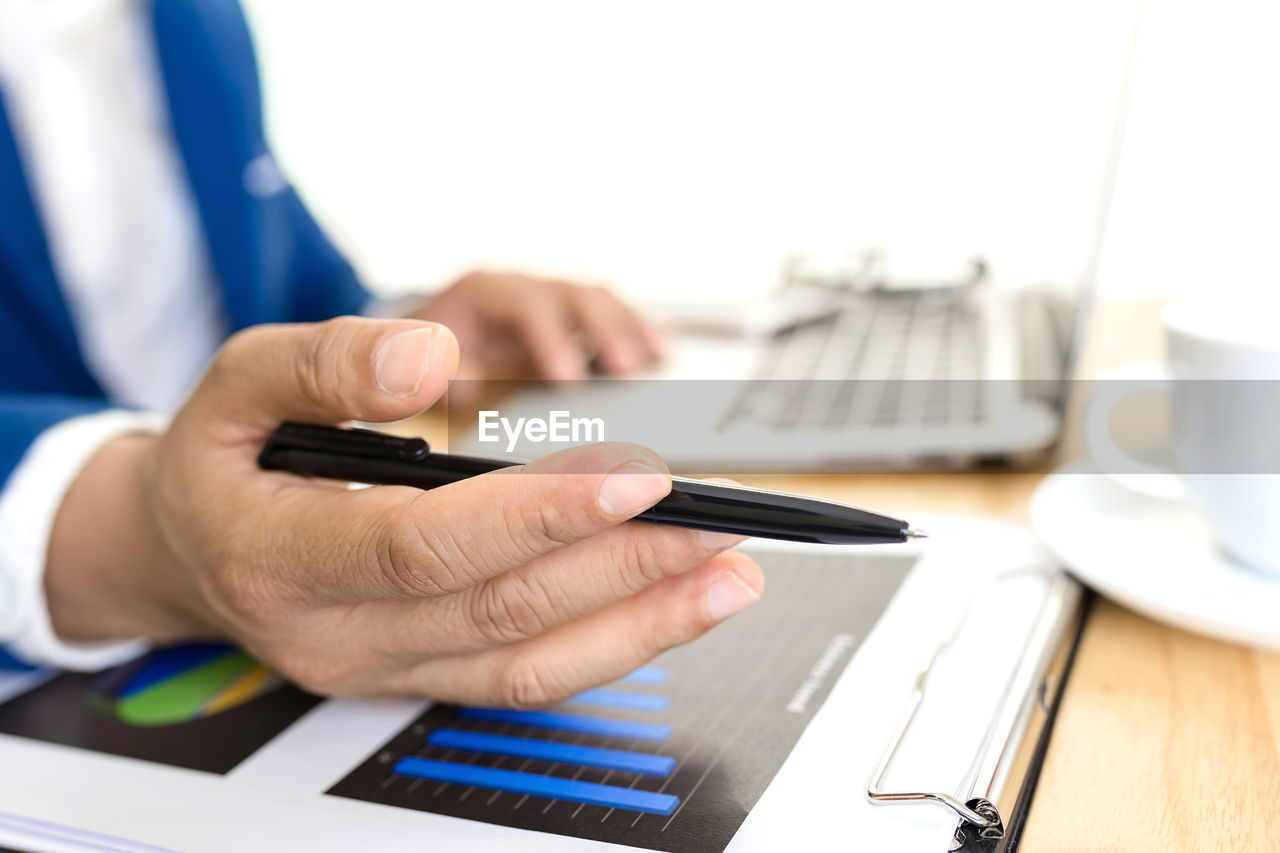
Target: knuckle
{"points": [[647, 647], [508, 612], [239, 343], [644, 561], [322, 359], [401, 560], [250, 594], [419, 562], [524, 684], [233, 353], [539, 526], [473, 280], [314, 672], [640, 560]]}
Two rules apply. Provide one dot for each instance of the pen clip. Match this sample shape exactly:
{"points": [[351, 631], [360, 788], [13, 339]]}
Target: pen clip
{"points": [[291, 435]]}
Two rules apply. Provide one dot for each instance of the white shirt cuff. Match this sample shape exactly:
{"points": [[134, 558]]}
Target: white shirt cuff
{"points": [[28, 504]]}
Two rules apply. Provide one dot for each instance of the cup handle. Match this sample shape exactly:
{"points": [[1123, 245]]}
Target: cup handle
{"points": [[1119, 466]]}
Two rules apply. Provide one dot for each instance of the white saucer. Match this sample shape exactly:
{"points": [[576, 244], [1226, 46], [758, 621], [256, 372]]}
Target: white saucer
{"points": [[1155, 556]]}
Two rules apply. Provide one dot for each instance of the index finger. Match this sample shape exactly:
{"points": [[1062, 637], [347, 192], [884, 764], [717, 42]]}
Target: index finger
{"points": [[393, 542]]}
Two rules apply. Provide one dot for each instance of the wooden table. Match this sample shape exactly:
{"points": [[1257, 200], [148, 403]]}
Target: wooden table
{"points": [[1164, 741]]}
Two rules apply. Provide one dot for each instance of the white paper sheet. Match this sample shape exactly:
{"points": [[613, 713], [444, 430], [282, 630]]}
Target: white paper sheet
{"points": [[274, 800]]}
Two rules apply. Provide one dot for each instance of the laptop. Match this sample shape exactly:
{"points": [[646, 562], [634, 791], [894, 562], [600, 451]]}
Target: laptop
{"points": [[852, 366]]}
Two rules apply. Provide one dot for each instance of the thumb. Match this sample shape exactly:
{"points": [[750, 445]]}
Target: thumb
{"points": [[349, 368]]}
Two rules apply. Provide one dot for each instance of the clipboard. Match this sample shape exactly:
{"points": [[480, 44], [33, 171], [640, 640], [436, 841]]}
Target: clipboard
{"points": [[992, 803]]}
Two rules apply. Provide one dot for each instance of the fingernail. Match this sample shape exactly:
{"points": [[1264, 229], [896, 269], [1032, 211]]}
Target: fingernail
{"points": [[631, 488], [402, 360], [713, 541], [729, 595]]}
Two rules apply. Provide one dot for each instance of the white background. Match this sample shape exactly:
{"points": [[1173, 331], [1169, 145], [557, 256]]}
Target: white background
{"points": [[677, 147]]}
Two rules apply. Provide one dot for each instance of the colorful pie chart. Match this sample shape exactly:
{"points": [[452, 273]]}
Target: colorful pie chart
{"points": [[182, 683]]}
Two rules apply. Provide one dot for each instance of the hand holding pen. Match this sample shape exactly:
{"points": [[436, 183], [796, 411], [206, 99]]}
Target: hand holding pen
{"points": [[367, 456], [504, 589]]}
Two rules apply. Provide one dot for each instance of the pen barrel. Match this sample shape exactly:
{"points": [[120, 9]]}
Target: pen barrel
{"points": [[314, 452], [771, 515], [441, 471]]}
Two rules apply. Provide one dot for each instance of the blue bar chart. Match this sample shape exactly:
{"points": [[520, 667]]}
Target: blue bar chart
{"points": [[518, 747], [556, 787], [672, 756], [607, 726], [625, 699]]}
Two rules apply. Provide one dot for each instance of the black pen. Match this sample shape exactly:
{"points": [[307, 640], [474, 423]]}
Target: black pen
{"points": [[366, 456]]}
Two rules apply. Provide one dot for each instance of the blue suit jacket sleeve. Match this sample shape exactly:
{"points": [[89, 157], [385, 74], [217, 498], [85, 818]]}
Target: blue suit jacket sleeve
{"points": [[324, 283], [274, 262]]}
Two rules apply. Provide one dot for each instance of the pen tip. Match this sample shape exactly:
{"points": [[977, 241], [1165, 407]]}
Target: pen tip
{"points": [[916, 533]]}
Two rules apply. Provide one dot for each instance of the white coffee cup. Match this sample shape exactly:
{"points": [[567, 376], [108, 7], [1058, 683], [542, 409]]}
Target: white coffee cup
{"points": [[1223, 377]]}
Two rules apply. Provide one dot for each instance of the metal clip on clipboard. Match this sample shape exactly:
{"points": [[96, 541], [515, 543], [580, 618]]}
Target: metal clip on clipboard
{"points": [[993, 789]]}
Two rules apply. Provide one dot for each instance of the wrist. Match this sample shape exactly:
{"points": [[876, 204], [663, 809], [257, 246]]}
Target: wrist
{"points": [[109, 574]]}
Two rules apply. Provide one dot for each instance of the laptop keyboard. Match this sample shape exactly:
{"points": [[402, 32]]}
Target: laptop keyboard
{"points": [[885, 360]]}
